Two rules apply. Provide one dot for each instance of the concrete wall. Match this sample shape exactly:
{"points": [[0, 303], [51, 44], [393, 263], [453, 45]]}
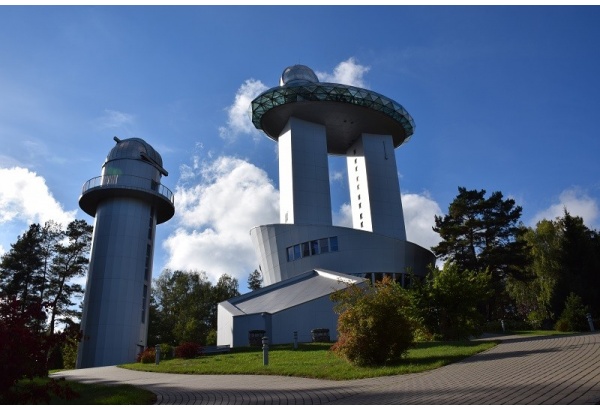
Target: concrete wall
{"points": [[359, 252], [305, 196], [374, 186], [233, 325]]}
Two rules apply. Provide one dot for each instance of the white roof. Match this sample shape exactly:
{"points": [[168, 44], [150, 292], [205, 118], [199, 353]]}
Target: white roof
{"points": [[291, 292]]}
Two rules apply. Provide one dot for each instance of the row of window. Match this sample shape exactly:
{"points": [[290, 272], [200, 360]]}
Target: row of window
{"points": [[315, 247]]}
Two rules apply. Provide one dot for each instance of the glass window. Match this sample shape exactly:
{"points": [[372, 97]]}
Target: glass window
{"points": [[305, 249], [324, 245], [297, 254], [333, 243], [144, 303], [290, 253], [314, 247]]}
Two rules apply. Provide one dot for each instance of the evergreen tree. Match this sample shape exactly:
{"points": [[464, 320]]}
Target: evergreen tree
{"points": [[484, 235], [21, 274], [255, 280], [70, 261]]}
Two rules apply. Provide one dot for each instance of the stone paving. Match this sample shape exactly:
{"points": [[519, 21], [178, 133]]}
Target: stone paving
{"points": [[531, 370]]}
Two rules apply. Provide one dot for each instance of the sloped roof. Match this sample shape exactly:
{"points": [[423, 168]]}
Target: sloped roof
{"points": [[292, 292]]}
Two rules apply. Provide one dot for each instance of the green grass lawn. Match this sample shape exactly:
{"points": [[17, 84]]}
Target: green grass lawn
{"points": [[314, 360]]}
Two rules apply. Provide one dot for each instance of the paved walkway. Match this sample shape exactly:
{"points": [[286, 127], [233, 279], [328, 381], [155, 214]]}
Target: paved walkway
{"points": [[533, 370]]}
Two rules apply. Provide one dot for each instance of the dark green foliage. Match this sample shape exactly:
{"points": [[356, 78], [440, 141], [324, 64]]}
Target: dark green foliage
{"points": [[579, 261], [448, 300], [484, 235], [21, 274], [376, 324], [188, 350], [565, 258], [183, 306], [573, 317], [40, 267], [255, 280]]}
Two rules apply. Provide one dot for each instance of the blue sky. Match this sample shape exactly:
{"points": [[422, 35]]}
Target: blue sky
{"points": [[504, 99]]}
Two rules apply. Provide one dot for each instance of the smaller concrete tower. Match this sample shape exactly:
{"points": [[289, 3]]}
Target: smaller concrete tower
{"points": [[128, 202]]}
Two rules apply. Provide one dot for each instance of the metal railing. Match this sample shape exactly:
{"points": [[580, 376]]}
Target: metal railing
{"points": [[128, 181]]}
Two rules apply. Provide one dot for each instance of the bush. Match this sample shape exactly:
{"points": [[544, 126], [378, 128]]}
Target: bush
{"points": [[147, 356], [166, 351], [376, 324], [448, 300], [24, 354], [188, 350]]}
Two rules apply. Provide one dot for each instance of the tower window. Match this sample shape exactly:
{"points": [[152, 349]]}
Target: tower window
{"points": [[333, 243], [144, 295]]}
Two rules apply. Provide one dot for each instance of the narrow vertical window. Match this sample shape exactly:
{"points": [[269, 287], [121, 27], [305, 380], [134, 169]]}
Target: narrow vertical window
{"points": [[144, 295], [305, 249], [324, 245], [314, 247]]}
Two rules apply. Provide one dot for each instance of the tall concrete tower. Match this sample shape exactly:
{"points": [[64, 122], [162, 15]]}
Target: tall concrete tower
{"points": [[310, 120], [128, 201]]}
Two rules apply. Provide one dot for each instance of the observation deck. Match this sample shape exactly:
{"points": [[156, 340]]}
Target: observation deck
{"points": [[100, 188], [345, 111]]}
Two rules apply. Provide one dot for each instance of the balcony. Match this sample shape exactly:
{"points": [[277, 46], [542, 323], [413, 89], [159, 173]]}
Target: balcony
{"points": [[109, 186]]}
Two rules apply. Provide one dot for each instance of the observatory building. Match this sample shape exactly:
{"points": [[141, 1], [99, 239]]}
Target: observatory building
{"points": [[310, 120], [127, 201]]}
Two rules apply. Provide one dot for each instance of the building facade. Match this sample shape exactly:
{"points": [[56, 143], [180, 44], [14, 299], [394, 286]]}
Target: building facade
{"points": [[127, 201], [311, 120], [304, 257]]}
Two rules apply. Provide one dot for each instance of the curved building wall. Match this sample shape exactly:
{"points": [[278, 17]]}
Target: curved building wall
{"points": [[358, 252], [118, 285], [127, 202]]}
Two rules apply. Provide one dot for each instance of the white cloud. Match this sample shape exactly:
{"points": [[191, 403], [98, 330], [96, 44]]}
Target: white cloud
{"points": [[577, 203], [238, 113], [347, 72], [344, 216], [115, 119], [215, 217], [336, 176], [25, 197], [419, 218]]}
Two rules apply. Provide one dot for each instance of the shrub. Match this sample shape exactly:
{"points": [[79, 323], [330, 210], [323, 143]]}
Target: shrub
{"points": [[376, 324], [448, 300], [188, 350], [166, 351], [147, 356], [24, 354], [211, 338]]}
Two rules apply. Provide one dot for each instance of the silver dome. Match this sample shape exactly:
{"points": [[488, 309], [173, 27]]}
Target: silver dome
{"points": [[298, 73]]}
